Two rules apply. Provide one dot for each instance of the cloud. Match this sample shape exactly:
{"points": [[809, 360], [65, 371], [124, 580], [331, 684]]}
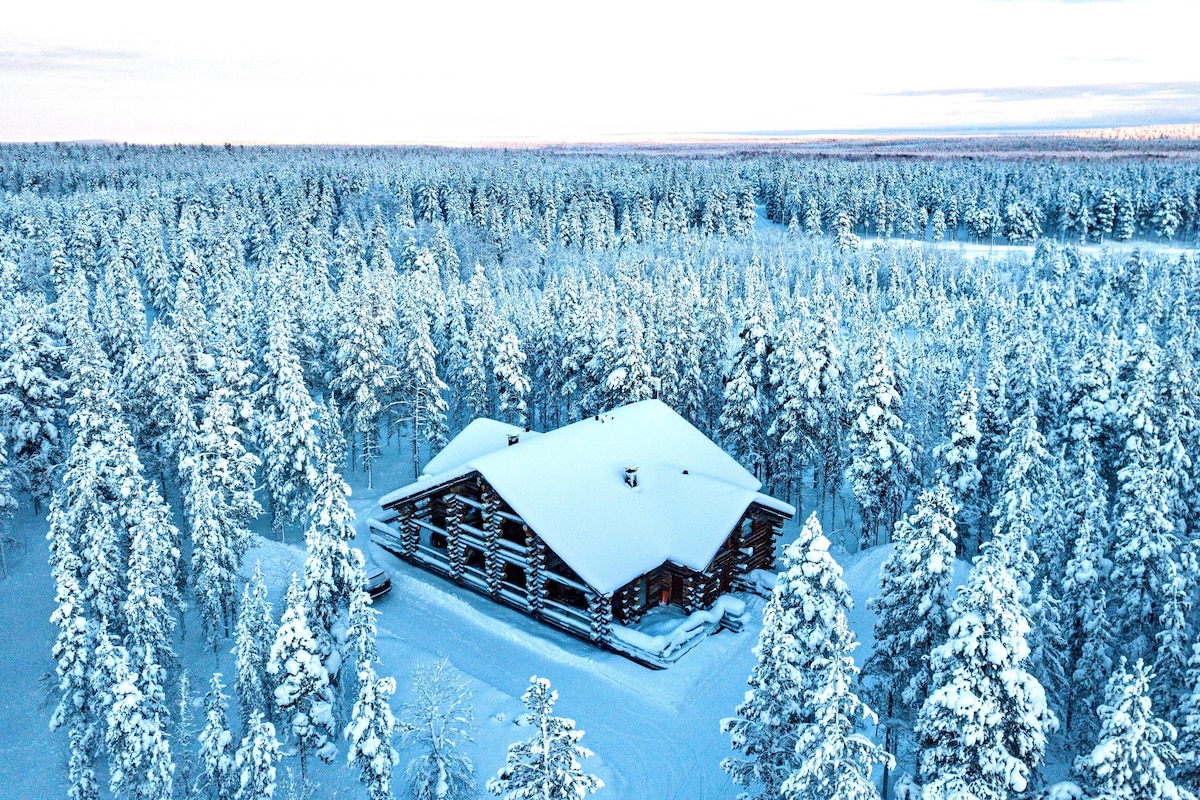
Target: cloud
{"points": [[65, 59]]}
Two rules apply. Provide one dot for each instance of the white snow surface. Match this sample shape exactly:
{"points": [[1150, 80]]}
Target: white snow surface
{"points": [[569, 486], [480, 437]]}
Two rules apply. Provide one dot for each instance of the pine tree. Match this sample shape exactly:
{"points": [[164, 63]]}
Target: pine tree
{"points": [[32, 396], [631, 379], [302, 692], [982, 730], [439, 721], [289, 437], [254, 636], [332, 570], [740, 428], [958, 457], [138, 747], [881, 460], [371, 724], [511, 380], [913, 610], [793, 653], [216, 743], [549, 765], [423, 408], [835, 762], [256, 759], [1135, 748]]}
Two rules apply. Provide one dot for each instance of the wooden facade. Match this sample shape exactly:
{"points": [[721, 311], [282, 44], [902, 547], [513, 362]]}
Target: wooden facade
{"points": [[463, 529]]}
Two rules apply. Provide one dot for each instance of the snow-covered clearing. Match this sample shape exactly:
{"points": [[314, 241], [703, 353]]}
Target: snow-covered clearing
{"points": [[655, 732]]}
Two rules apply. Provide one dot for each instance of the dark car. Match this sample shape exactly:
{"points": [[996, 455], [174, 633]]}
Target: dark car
{"points": [[379, 582]]}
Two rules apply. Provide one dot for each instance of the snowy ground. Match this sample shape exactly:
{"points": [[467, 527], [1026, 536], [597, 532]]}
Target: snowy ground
{"points": [[655, 733]]}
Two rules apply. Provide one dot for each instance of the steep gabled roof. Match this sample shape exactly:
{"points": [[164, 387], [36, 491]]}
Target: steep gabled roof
{"points": [[569, 486]]}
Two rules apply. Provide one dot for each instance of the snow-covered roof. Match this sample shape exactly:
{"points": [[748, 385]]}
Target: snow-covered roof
{"points": [[481, 436], [569, 486]]}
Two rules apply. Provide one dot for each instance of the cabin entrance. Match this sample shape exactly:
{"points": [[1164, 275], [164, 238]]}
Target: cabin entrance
{"points": [[671, 591]]}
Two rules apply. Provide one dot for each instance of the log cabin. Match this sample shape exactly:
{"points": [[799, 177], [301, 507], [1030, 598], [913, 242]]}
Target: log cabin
{"points": [[590, 526]]}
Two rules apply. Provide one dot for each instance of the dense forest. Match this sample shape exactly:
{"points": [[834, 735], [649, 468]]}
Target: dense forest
{"points": [[194, 337]]}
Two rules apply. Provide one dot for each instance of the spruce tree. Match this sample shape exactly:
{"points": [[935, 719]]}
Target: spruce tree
{"points": [[302, 693], [422, 406], [913, 608], [793, 651], [835, 762], [332, 570], [549, 765], [1135, 748], [369, 731], [511, 379], [255, 761], [740, 426], [982, 730], [216, 743], [881, 461], [254, 635], [288, 433], [958, 457]]}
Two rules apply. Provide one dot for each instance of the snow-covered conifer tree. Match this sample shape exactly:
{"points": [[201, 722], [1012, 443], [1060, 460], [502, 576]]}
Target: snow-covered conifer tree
{"points": [[913, 610], [256, 759], [958, 457], [254, 635], [369, 732], [835, 763], [881, 461], [631, 378], [982, 730], [1089, 640], [740, 426], [214, 563], [302, 692], [511, 380], [32, 396], [152, 592], [138, 746], [333, 438], [1135, 748], [793, 651], [183, 732], [289, 436], [549, 765], [439, 722], [1189, 722], [422, 406], [1144, 535], [332, 571], [216, 743]]}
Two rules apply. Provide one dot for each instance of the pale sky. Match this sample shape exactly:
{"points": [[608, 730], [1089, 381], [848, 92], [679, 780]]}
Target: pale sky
{"points": [[467, 71]]}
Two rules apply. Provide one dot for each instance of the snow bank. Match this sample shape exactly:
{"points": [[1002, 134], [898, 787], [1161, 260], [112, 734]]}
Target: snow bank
{"points": [[675, 642]]}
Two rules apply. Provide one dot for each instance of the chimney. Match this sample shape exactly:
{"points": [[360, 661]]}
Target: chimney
{"points": [[513, 438], [631, 476]]}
